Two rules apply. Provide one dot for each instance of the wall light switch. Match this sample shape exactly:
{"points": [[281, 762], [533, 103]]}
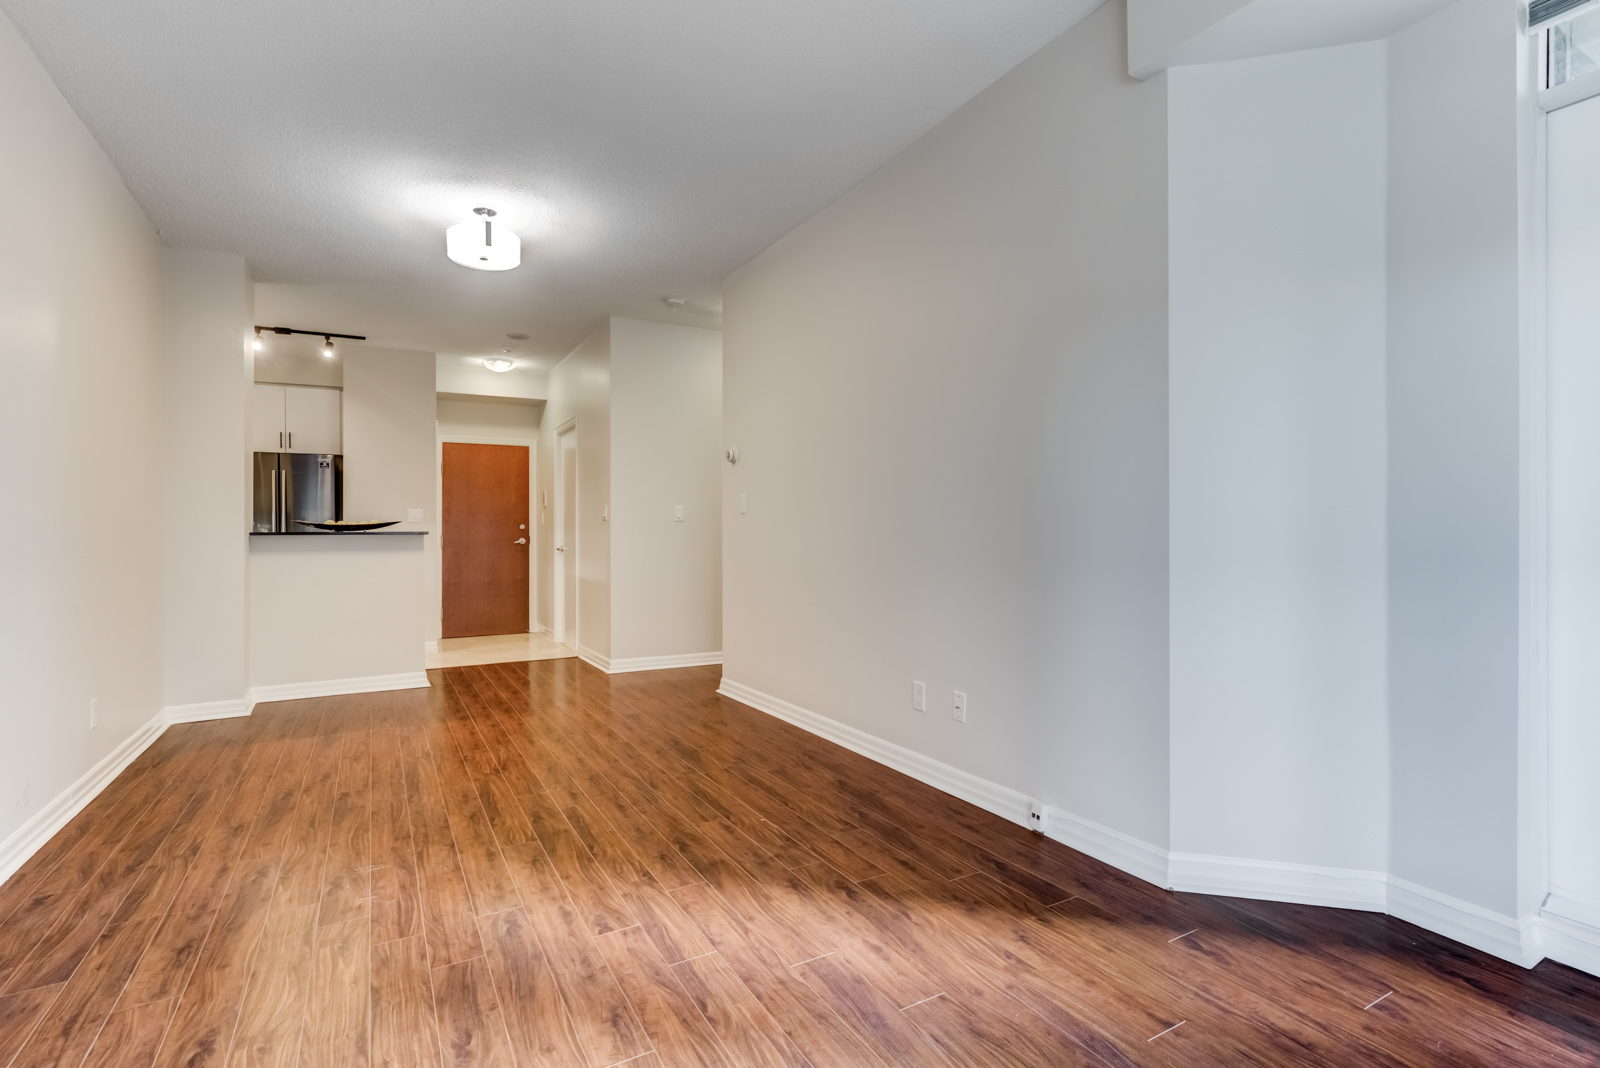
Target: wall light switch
{"points": [[605, 512], [94, 712], [744, 500], [677, 513], [414, 515], [919, 696], [961, 707]]}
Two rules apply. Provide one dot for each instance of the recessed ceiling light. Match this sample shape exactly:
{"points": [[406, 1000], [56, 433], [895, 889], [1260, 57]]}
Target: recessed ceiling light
{"points": [[517, 337], [482, 245], [499, 365]]}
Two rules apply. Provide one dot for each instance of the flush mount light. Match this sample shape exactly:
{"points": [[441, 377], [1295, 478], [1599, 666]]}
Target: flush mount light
{"points": [[483, 245], [673, 302], [517, 337], [499, 365]]}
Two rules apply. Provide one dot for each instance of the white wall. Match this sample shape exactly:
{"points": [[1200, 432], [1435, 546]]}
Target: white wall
{"points": [[488, 417], [389, 454], [666, 450], [580, 389], [1278, 600], [208, 311], [1574, 257], [1454, 452], [82, 380], [333, 608], [948, 391], [389, 412]]}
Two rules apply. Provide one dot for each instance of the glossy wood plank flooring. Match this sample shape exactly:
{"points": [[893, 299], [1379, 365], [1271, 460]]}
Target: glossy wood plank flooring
{"points": [[537, 865]]}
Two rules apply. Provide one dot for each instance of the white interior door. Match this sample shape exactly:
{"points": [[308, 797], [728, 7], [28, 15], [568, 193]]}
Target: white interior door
{"points": [[566, 539], [312, 419]]}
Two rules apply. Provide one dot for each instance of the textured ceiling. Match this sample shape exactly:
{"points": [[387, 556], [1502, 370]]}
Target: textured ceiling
{"points": [[643, 148]]}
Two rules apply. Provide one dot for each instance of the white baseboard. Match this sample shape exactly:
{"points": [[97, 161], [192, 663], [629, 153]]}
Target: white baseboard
{"points": [[1132, 855], [296, 691], [208, 710], [1465, 922], [26, 840], [992, 797], [1569, 931], [1504, 937], [1268, 880], [593, 659], [429, 647], [660, 663]]}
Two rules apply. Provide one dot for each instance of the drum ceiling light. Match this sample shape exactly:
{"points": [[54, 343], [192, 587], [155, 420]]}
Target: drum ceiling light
{"points": [[482, 244]]}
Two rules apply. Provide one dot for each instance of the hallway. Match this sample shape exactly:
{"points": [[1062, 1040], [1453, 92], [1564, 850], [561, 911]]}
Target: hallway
{"points": [[537, 864]]}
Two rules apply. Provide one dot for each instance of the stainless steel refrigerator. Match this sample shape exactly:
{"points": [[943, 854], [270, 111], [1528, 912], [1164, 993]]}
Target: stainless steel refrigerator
{"points": [[293, 488]]}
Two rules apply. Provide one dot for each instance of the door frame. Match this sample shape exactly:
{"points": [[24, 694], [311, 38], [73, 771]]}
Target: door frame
{"points": [[532, 445], [568, 558]]}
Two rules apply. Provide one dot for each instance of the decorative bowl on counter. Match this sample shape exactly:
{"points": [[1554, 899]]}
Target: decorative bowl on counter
{"points": [[347, 525]]}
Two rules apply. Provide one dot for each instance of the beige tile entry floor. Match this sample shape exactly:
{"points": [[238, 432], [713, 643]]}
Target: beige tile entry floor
{"points": [[497, 649]]}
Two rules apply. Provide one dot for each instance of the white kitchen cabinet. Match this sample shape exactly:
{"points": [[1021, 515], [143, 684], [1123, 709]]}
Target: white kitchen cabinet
{"points": [[266, 418], [311, 419], [296, 419]]}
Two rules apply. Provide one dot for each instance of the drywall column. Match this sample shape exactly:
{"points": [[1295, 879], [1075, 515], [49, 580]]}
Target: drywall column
{"points": [[949, 394], [208, 311], [1278, 600], [82, 379], [390, 452], [1454, 479], [666, 454]]}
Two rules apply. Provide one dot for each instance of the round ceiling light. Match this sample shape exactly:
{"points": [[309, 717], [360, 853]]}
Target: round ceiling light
{"points": [[482, 244], [499, 365], [517, 337]]}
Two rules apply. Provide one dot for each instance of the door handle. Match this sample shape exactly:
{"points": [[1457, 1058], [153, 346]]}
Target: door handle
{"points": [[280, 439], [291, 439], [561, 548], [522, 541]]}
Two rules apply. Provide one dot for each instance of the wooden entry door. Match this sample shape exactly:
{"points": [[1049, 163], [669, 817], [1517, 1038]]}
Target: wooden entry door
{"points": [[485, 539]]}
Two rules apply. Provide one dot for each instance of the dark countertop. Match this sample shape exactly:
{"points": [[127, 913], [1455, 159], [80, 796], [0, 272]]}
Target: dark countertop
{"points": [[335, 533]]}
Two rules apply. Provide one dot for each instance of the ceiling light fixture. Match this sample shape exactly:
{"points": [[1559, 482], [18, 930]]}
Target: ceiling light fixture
{"points": [[501, 366], [517, 337], [673, 302], [482, 245], [327, 347], [257, 345]]}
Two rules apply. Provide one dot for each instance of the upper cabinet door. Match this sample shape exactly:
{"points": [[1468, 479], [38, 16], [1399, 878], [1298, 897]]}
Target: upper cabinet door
{"points": [[266, 419], [312, 419]]}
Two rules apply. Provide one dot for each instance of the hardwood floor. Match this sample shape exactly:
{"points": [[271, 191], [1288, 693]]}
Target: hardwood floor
{"points": [[537, 865]]}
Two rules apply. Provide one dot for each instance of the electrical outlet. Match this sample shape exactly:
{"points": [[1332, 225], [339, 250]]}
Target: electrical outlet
{"points": [[1036, 817], [961, 707], [94, 712], [677, 513], [919, 696], [414, 515]]}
